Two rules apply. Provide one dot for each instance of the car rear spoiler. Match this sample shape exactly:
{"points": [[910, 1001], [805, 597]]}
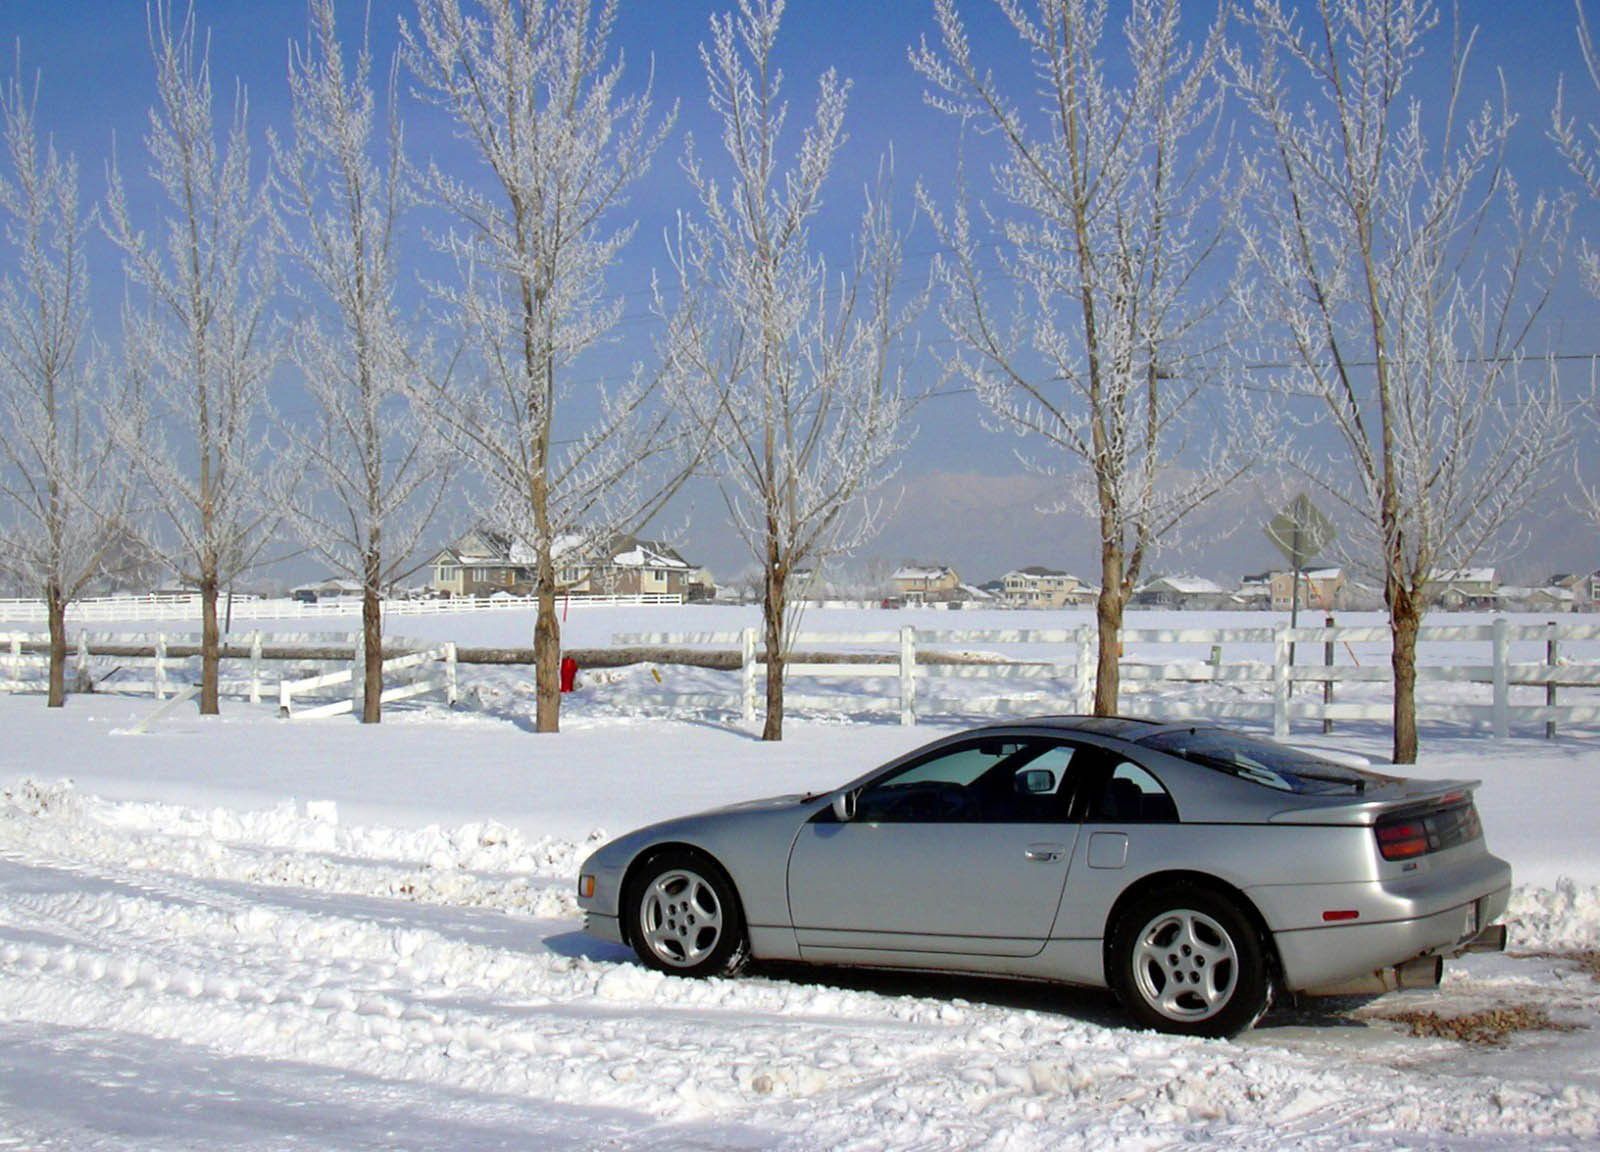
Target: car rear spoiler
{"points": [[1404, 796]]}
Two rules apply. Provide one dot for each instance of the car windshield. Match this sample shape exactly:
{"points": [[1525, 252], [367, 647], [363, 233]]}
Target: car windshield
{"points": [[1263, 761]]}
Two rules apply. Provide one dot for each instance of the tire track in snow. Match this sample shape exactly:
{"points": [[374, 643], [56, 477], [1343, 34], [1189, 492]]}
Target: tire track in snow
{"points": [[194, 943]]}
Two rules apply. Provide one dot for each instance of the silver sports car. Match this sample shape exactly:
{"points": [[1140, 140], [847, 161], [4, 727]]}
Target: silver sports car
{"points": [[1192, 869]]}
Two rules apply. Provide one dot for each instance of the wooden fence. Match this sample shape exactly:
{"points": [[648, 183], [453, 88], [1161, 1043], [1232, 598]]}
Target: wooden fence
{"points": [[442, 656], [1277, 703], [913, 672]]}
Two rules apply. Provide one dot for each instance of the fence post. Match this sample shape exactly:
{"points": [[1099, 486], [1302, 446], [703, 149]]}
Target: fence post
{"points": [[358, 682], [1280, 683], [747, 677], [1552, 657], [1327, 685], [1502, 678], [84, 683], [908, 675], [1084, 671], [285, 699], [161, 666], [255, 666], [450, 673]]}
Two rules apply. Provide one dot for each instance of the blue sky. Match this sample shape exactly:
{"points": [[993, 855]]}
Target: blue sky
{"points": [[960, 498]]}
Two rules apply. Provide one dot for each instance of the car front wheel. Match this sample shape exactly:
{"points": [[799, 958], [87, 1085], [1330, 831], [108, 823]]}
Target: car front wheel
{"points": [[1186, 960], [685, 917]]}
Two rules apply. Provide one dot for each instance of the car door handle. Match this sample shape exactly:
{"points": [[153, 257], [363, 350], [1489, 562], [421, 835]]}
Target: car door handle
{"points": [[1043, 852]]}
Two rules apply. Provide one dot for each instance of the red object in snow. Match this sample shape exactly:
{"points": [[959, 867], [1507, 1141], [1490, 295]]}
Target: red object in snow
{"points": [[569, 673]]}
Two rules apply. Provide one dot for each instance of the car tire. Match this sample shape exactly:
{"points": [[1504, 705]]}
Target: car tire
{"points": [[684, 917], [1187, 960]]}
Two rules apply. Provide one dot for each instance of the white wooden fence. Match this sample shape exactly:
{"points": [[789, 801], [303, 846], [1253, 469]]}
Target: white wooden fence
{"points": [[1044, 670], [155, 674], [1276, 703], [443, 656], [17, 662], [135, 608]]}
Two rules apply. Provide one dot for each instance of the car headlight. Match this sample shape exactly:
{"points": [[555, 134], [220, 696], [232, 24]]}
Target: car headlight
{"points": [[585, 887]]}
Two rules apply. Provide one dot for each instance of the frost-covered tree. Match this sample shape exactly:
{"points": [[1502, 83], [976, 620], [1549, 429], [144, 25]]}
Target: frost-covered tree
{"points": [[60, 495], [537, 96], [788, 371], [1083, 298], [194, 330], [372, 479], [1578, 141], [1397, 263]]}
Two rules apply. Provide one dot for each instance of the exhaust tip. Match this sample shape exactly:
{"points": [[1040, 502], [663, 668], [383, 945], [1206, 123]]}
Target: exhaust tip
{"points": [[1424, 972], [1491, 939]]}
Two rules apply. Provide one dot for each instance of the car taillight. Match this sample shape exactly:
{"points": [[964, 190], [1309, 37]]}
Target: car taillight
{"points": [[1451, 822], [1403, 840]]}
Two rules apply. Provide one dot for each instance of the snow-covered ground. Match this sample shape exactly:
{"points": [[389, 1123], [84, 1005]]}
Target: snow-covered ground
{"points": [[263, 934]]}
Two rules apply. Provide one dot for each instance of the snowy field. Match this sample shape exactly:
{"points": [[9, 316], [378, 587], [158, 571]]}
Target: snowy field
{"points": [[251, 933]]}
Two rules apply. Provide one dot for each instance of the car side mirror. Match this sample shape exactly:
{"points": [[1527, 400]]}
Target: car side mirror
{"points": [[844, 806], [1036, 782]]}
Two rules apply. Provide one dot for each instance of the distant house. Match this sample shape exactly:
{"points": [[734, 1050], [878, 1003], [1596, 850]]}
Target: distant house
{"points": [[1184, 592], [1463, 588], [919, 584], [1320, 588], [1584, 586], [331, 588], [1039, 587], [1540, 598], [627, 566], [1254, 591], [484, 562], [700, 585]]}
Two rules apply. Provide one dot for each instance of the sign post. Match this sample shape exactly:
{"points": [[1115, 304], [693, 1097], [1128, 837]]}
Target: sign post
{"points": [[1301, 532]]}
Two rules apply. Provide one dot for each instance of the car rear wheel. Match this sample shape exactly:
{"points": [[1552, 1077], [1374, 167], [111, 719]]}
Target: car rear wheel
{"points": [[1187, 960], [685, 917]]}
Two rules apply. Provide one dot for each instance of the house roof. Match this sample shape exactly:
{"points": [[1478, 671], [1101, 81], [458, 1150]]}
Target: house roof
{"points": [[1462, 575], [648, 554], [1185, 585], [336, 584], [485, 547], [1545, 592], [913, 572], [1037, 570]]}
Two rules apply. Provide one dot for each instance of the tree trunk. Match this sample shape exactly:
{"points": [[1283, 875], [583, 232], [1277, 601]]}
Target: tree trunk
{"points": [[547, 648], [56, 608], [1108, 616], [1404, 621], [772, 609], [210, 645], [372, 644]]}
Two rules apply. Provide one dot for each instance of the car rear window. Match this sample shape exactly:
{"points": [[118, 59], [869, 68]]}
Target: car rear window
{"points": [[1261, 760]]}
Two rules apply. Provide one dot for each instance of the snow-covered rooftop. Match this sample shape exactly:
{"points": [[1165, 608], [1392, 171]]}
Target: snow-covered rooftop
{"points": [[1187, 585]]}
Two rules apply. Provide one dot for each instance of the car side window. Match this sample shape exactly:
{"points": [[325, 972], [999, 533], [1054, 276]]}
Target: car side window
{"points": [[1131, 795], [989, 781]]}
